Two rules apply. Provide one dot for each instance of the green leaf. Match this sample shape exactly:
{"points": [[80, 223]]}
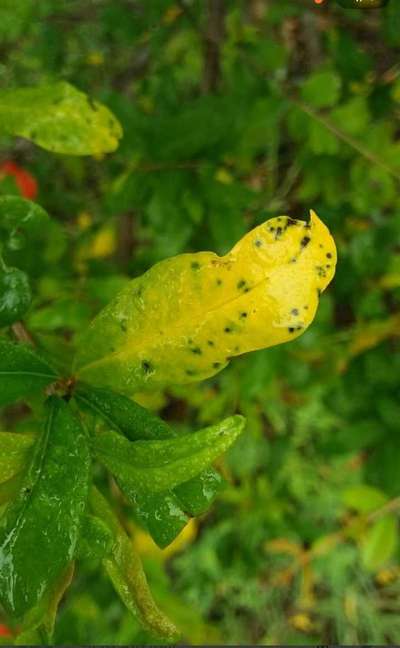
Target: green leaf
{"points": [[123, 414], [59, 118], [380, 543], [163, 514], [95, 540], [45, 517], [159, 465], [15, 295], [26, 228], [363, 498], [125, 570], [196, 495], [14, 452], [20, 219], [22, 372], [160, 513], [322, 89]]}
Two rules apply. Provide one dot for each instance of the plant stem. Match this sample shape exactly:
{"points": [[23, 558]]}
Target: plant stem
{"points": [[22, 334]]}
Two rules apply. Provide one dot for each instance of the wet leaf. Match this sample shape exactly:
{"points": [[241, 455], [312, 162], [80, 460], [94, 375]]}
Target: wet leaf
{"points": [[125, 570], [95, 541], [15, 295], [14, 452], [45, 516], [158, 465], [185, 318], [22, 372], [163, 514], [59, 118]]}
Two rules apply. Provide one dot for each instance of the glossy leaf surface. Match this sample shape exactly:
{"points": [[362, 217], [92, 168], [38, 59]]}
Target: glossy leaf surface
{"points": [[125, 570], [40, 528], [22, 372], [14, 452], [185, 318], [15, 295], [158, 465], [163, 514]]}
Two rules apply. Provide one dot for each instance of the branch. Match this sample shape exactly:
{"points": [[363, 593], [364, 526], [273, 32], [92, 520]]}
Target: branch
{"points": [[213, 37], [22, 334]]}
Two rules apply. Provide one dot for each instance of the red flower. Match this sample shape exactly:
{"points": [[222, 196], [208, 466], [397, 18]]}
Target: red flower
{"points": [[24, 180], [4, 631]]}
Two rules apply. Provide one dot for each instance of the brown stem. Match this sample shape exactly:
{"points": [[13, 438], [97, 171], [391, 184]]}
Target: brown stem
{"points": [[213, 37], [126, 239], [22, 334]]}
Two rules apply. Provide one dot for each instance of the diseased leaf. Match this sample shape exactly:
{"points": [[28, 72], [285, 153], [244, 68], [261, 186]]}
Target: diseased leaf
{"points": [[14, 452], [45, 517], [185, 318], [125, 570], [22, 372], [159, 465], [59, 118]]}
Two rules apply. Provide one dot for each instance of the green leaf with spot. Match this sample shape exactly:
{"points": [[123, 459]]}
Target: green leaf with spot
{"points": [[14, 452], [59, 118], [22, 372], [45, 517], [155, 466]]}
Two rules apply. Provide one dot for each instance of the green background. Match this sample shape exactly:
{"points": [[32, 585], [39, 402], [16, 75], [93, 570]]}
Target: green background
{"points": [[234, 112]]}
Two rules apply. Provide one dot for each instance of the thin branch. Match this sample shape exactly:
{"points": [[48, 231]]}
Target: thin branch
{"points": [[348, 139], [213, 38], [22, 334]]}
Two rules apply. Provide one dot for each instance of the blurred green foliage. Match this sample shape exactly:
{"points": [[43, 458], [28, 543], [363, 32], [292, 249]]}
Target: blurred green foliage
{"points": [[232, 113]]}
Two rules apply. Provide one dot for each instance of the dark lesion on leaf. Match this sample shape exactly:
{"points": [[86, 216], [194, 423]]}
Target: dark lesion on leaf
{"points": [[195, 265], [147, 366], [305, 241]]}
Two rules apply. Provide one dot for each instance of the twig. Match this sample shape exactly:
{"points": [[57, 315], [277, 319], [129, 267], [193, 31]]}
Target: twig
{"points": [[348, 139], [22, 334], [213, 37]]}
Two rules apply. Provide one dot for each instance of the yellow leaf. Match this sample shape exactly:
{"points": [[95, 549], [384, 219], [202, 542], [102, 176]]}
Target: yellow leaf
{"points": [[95, 58], [145, 546], [59, 118], [184, 319], [285, 546], [302, 622]]}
